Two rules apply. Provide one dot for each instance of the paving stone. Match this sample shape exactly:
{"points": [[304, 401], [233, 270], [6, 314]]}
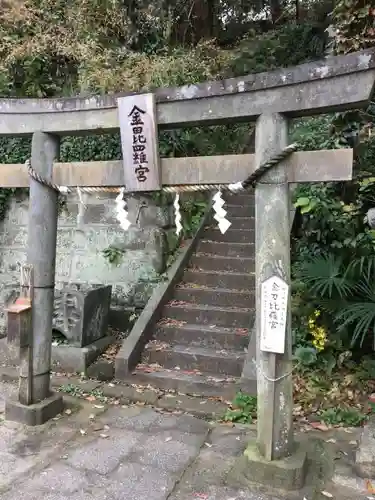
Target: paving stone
{"points": [[230, 441], [209, 468], [61, 478], [165, 452], [26, 494], [103, 456], [139, 482], [183, 423], [11, 466], [220, 493], [130, 418]]}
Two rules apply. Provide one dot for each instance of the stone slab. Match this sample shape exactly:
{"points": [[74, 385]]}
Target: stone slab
{"points": [[216, 492], [168, 451], [365, 455], [287, 474], [66, 358], [130, 394], [103, 455], [134, 481], [196, 406], [102, 369], [77, 359], [36, 414]]}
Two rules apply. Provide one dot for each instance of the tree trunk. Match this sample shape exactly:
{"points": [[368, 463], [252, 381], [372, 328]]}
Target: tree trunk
{"points": [[276, 10]]}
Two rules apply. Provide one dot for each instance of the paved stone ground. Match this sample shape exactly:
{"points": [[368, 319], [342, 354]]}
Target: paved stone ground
{"points": [[128, 453]]}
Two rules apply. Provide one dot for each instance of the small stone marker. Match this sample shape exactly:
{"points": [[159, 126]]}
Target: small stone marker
{"points": [[139, 142], [274, 304]]}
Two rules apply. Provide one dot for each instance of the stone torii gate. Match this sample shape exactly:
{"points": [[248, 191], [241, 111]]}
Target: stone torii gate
{"points": [[333, 84]]}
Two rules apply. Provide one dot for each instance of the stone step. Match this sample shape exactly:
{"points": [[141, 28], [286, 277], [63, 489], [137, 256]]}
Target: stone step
{"points": [[209, 315], [245, 199], [221, 297], [230, 236], [173, 332], [188, 382], [206, 262], [195, 358], [233, 281], [227, 249], [241, 222], [240, 210]]}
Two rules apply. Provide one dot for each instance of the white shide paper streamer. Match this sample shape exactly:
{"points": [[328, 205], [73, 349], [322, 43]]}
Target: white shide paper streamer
{"points": [[220, 213], [177, 214], [121, 212]]}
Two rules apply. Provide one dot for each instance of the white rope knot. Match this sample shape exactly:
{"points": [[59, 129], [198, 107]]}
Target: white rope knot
{"points": [[236, 187]]}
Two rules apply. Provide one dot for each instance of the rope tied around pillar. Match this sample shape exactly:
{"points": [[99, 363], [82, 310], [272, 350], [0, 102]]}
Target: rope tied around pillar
{"points": [[234, 188]]}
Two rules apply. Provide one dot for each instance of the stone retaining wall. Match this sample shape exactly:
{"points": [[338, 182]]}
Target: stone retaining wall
{"points": [[84, 231]]}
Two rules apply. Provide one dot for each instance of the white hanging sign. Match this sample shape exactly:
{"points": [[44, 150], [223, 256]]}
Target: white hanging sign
{"points": [[274, 307]]}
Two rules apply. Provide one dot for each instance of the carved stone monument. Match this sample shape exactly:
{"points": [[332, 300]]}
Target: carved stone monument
{"points": [[81, 314]]}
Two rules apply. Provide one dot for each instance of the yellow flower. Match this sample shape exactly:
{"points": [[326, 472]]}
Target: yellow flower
{"points": [[317, 332]]}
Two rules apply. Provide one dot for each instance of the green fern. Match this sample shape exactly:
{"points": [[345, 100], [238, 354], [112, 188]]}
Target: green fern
{"points": [[345, 292], [360, 314], [327, 277]]}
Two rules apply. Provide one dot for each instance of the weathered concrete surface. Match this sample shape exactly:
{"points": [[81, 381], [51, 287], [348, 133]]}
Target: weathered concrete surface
{"points": [[83, 233], [331, 84], [98, 452], [365, 456], [272, 252], [64, 358], [41, 255], [196, 170]]}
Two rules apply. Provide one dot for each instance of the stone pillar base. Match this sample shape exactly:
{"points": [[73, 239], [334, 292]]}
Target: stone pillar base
{"points": [[35, 414], [285, 474]]}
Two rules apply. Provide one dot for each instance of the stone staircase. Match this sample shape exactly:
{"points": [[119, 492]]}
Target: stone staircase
{"points": [[200, 343]]}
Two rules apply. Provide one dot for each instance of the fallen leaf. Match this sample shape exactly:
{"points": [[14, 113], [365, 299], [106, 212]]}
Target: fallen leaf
{"points": [[369, 486], [326, 494], [319, 426]]}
